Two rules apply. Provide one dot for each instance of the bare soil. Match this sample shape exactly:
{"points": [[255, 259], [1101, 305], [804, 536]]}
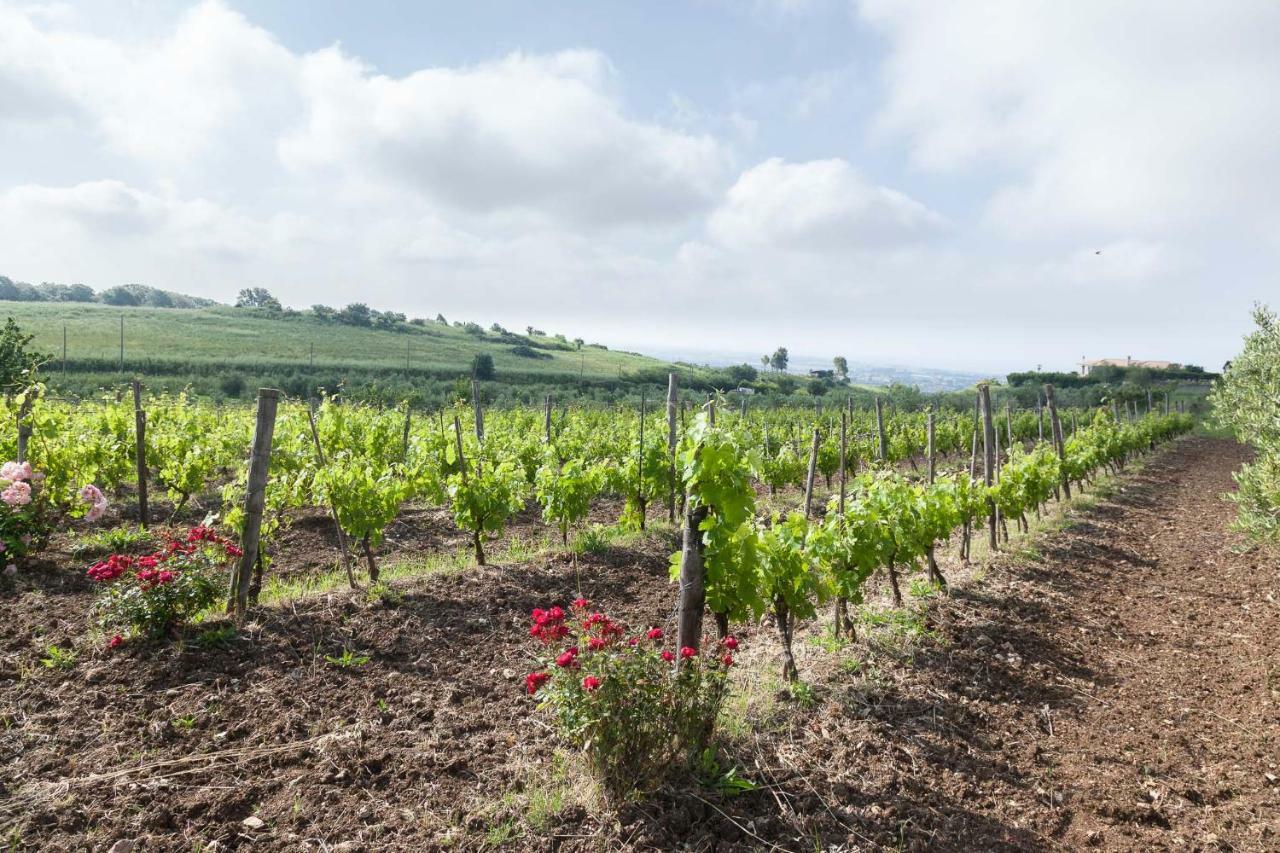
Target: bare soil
{"points": [[1114, 685]]}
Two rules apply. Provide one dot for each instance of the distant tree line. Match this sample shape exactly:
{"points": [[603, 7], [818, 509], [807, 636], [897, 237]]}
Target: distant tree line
{"points": [[1113, 375], [124, 294]]}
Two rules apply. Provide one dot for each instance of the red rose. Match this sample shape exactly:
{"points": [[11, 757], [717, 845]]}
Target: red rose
{"points": [[668, 656], [115, 641], [580, 604], [688, 652], [569, 657], [534, 680], [727, 660], [730, 643], [655, 633], [595, 644], [590, 683]]}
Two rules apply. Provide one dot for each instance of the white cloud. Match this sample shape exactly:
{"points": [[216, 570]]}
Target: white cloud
{"points": [[532, 132], [1101, 115], [821, 205]]}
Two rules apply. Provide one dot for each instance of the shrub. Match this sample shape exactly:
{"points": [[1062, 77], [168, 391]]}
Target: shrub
{"points": [[482, 366], [25, 512], [156, 593], [636, 714]]}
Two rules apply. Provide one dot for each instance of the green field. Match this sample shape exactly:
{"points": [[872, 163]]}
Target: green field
{"points": [[238, 338]]}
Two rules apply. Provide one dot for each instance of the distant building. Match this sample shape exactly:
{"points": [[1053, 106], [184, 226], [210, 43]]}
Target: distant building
{"points": [[1128, 361]]}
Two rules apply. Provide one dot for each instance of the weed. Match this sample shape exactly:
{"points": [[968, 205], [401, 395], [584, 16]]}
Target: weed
{"points": [[59, 658], [383, 593], [595, 540], [347, 660], [726, 782], [114, 540], [185, 724], [216, 638]]}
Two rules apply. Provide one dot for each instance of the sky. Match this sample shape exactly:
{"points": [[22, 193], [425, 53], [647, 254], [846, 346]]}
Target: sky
{"points": [[983, 186]]}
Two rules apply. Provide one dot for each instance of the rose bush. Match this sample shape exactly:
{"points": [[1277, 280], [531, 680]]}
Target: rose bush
{"points": [[155, 593], [635, 713]]}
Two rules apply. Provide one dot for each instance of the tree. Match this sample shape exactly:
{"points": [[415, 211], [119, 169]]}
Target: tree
{"points": [[257, 297], [482, 366], [764, 361], [779, 359], [356, 314], [120, 295], [324, 313], [842, 368], [17, 363], [388, 319], [441, 320]]}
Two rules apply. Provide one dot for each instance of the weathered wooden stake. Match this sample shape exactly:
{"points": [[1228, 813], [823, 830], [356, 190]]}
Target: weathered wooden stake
{"points": [[640, 502], [479, 410], [884, 443], [140, 453], [671, 446], [254, 500], [988, 457], [404, 442], [808, 483], [935, 573], [546, 419], [1056, 426]]}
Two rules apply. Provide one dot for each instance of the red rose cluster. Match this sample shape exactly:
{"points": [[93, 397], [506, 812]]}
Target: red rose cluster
{"points": [[599, 633], [149, 574], [110, 568], [548, 625]]}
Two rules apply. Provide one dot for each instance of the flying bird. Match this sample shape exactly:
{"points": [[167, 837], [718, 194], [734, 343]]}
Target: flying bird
{"points": [[1099, 252]]}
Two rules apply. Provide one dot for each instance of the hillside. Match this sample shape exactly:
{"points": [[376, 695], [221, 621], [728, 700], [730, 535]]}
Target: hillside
{"points": [[238, 338]]}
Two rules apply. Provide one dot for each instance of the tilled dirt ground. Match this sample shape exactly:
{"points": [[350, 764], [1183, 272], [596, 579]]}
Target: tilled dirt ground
{"points": [[1114, 685]]}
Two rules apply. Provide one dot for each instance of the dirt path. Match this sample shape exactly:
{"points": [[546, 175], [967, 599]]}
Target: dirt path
{"points": [[1141, 657]]}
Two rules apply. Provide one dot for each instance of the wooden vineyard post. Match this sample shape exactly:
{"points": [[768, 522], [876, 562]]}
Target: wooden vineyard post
{"points": [[1000, 519], [988, 458], [1115, 411], [64, 349], [1039, 419], [640, 502], [479, 410], [693, 579], [808, 482], [967, 533], [1166, 404], [671, 446], [404, 440], [255, 499], [884, 444], [1149, 405], [122, 343], [935, 574], [1056, 426], [140, 452], [333, 510], [546, 419], [843, 624]]}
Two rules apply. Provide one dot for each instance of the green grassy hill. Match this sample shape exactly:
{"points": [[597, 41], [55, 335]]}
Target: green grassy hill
{"points": [[228, 351], [239, 337]]}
